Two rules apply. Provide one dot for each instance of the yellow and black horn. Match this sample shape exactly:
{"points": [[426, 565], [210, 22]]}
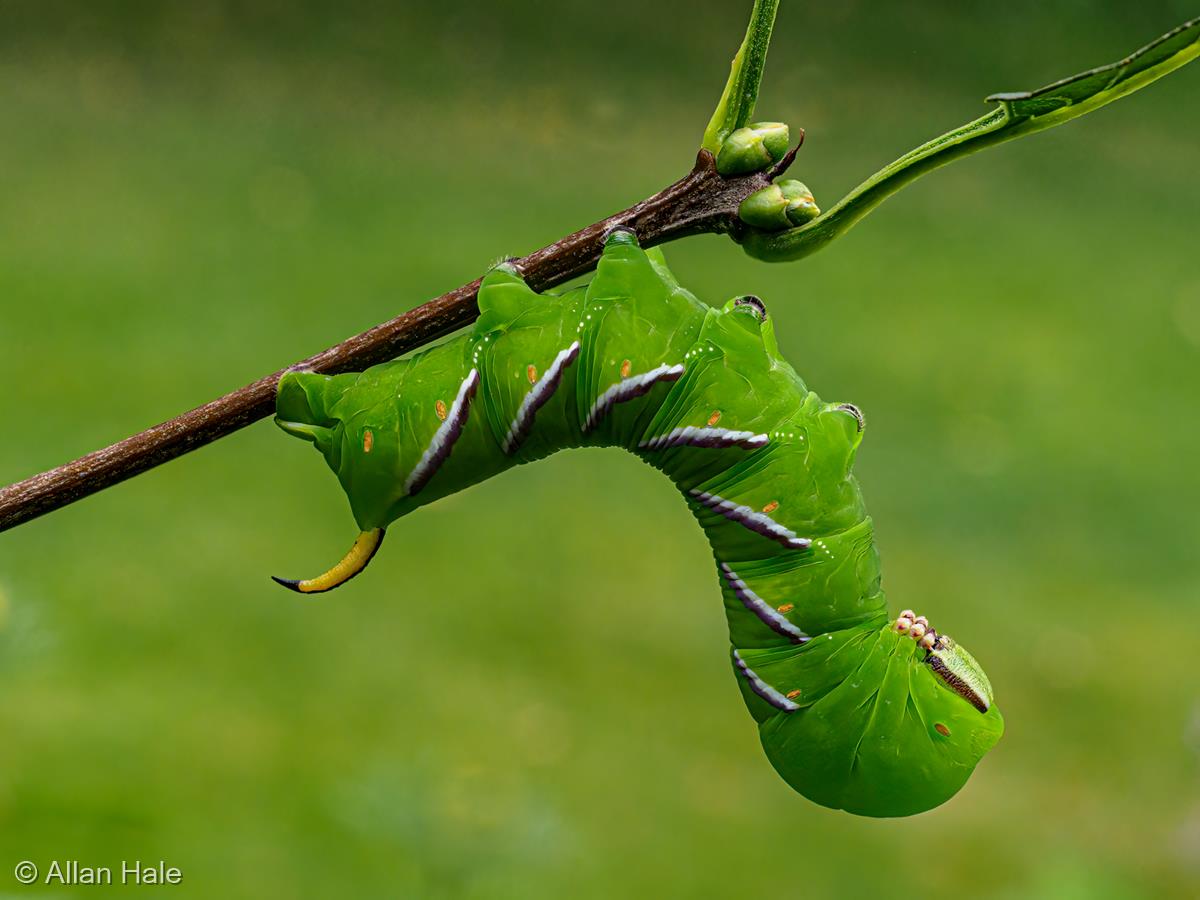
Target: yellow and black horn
{"points": [[352, 563]]}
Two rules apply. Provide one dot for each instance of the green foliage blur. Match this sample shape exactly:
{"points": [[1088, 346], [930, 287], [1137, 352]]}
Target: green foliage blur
{"points": [[528, 694]]}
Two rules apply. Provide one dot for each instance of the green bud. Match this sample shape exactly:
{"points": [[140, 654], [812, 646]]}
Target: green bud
{"points": [[753, 148], [784, 204], [801, 207], [765, 209]]}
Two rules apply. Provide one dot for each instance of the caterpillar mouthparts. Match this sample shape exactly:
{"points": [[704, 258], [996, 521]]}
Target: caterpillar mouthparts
{"points": [[919, 629]]}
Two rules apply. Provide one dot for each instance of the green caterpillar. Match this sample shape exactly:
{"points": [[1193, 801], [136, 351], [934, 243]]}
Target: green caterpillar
{"points": [[877, 716]]}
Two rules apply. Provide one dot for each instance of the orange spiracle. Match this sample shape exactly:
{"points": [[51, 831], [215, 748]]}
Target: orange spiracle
{"points": [[626, 368], [786, 608], [715, 417], [440, 409], [531, 373], [792, 695], [368, 440], [771, 507]]}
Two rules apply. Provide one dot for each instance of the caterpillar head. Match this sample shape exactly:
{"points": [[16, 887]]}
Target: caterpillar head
{"points": [[952, 718], [880, 723], [948, 660], [958, 668]]}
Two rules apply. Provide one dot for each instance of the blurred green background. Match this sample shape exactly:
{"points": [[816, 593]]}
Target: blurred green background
{"points": [[195, 194]]}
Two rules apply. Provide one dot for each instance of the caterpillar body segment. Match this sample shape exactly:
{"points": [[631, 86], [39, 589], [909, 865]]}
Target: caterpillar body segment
{"points": [[637, 328], [856, 710]]}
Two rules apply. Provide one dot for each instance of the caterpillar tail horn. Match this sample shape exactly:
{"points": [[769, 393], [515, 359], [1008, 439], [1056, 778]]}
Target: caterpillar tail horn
{"points": [[351, 564]]}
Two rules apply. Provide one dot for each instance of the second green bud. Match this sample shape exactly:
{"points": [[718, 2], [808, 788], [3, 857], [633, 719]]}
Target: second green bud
{"points": [[784, 204], [753, 148]]}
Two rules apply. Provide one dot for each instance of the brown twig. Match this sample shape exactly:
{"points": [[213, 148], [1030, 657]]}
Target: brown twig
{"points": [[701, 202]]}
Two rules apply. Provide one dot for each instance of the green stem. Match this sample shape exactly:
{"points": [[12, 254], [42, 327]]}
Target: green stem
{"points": [[736, 105], [1018, 114]]}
